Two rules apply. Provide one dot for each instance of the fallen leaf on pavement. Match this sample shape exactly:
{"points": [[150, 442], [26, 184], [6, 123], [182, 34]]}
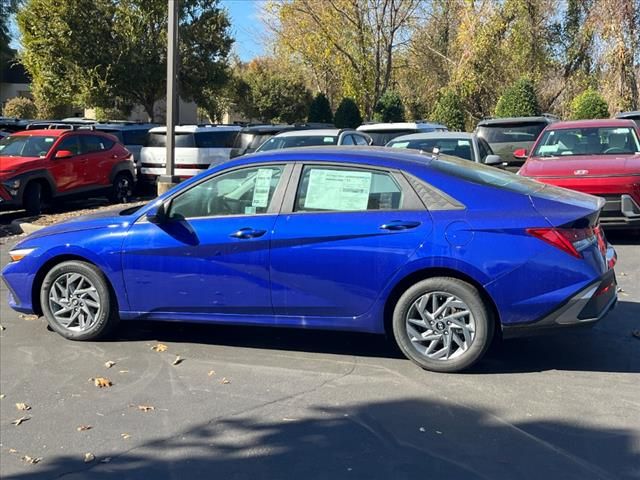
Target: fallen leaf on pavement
{"points": [[89, 457], [211, 373], [620, 290], [125, 436], [636, 333], [82, 428], [13, 450], [31, 460], [123, 371], [2, 328], [22, 406], [422, 429], [109, 364], [2, 396], [101, 382], [146, 408], [178, 360], [160, 347], [20, 420], [225, 380], [24, 316]]}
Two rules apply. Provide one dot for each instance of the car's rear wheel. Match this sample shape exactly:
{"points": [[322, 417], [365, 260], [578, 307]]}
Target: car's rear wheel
{"points": [[32, 198], [122, 188], [443, 324], [77, 301]]}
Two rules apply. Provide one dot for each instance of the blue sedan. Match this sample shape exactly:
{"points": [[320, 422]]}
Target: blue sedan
{"points": [[441, 254]]}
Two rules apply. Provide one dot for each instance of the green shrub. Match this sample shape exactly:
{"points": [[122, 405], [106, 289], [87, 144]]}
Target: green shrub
{"points": [[20, 107], [519, 100], [347, 114], [448, 111], [320, 110], [389, 108], [589, 104]]}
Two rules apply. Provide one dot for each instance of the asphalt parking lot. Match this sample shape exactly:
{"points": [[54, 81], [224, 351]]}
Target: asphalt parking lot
{"points": [[248, 403]]}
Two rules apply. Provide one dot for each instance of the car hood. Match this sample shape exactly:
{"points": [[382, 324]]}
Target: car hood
{"points": [[582, 166], [11, 165], [110, 219]]}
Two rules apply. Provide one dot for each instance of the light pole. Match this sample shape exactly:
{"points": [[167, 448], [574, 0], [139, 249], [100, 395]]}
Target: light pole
{"points": [[168, 180]]}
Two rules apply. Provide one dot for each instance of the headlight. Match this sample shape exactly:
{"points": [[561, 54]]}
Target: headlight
{"points": [[12, 186], [17, 255]]}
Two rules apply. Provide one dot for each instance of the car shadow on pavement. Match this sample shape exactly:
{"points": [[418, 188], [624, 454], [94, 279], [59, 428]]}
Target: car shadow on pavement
{"points": [[608, 347], [399, 439]]}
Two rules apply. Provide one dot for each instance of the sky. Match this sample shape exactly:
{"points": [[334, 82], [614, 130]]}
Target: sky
{"points": [[246, 27]]}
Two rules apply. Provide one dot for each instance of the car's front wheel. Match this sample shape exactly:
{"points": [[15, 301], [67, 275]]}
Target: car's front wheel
{"points": [[122, 188], [443, 324], [77, 302]]}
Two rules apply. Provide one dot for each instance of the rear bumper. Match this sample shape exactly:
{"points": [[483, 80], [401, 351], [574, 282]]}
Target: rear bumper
{"points": [[584, 309]]}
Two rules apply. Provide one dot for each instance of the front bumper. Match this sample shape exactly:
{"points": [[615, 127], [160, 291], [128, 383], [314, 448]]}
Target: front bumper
{"points": [[584, 309], [620, 211]]}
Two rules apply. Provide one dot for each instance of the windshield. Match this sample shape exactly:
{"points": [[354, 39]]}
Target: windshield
{"points": [[511, 132], [26, 146], [276, 143], [588, 141], [457, 147]]}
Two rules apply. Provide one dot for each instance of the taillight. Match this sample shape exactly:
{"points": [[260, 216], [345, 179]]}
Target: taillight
{"points": [[570, 240]]}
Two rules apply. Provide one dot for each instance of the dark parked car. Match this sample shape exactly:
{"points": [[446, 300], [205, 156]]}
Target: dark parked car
{"points": [[506, 135], [131, 134], [635, 116], [252, 136]]}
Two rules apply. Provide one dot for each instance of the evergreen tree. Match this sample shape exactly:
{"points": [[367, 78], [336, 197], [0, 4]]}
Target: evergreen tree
{"points": [[448, 111], [519, 100], [320, 110], [389, 108], [589, 104], [347, 114]]}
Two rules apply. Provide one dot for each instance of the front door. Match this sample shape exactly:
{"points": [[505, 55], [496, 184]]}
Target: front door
{"points": [[69, 172], [348, 231], [211, 255]]}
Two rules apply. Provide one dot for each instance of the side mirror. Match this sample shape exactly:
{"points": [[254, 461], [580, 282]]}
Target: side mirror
{"points": [[157, 215], [492, 160], [520, 154], [63, 154]]}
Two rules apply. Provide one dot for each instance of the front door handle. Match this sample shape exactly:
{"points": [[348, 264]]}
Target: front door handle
{"points": [[248, 233], [399, 225]]}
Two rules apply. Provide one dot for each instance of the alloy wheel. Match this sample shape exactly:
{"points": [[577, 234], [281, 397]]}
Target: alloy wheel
{"points": [[74, 302], [440, 326]]}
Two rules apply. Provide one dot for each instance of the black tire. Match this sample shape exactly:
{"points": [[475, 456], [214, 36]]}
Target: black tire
{"points": [[122, 188], [32, 198], [481, 314], [107, 316]]}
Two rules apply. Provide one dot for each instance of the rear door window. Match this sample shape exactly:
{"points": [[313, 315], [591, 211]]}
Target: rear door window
{"points": [[159, 139], [329, 188], [94, 143], [220, 139], [70, 143]]}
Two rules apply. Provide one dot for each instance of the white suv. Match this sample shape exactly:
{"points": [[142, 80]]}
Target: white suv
{"points": [[383, 133], [315, 138], [198, 147]]}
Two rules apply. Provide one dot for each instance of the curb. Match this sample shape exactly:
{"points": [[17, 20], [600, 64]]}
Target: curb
{"points": [[25, 227]]}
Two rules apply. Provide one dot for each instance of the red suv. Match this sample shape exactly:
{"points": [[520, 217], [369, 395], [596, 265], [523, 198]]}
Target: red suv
{"points": [[41, 165], [601, 157]]}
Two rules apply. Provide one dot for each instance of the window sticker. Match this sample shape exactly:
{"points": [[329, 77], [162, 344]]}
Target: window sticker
{"points": [[463, 143], [338, 190], [400, 145], [328, 139], [262, 187], [49, 139], [546, 149], [250, 210]]}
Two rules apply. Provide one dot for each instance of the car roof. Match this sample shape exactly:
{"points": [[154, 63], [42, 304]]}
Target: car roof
{"points": [[56, 132], [124, 126], [258, 129], [434, 135], [383, 126], [605, 122], [634, 114], [314, 132], [198, 128], [503, 120]]}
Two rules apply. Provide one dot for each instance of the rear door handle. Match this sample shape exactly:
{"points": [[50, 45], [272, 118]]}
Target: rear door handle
{"points": [[399, 225], [248, 233]]}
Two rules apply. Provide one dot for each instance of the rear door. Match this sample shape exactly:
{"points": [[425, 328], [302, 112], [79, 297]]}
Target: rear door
{"points": [[100, 158], [342, 234]]}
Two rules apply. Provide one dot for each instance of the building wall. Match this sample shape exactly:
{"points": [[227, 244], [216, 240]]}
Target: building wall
{"points": [[10, 90], [188, 113]]}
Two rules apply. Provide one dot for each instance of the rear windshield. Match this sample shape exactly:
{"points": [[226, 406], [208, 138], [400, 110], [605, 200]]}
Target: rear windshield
{"points": [[248, 142], [26, 146], [220, 139], [588, 141], [511, 132], [458, 147], [382, 137], [276, 143]]}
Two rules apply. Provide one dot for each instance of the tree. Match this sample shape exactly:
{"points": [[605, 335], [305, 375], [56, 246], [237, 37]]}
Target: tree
{"points": [[519, 100], [589, 104], [20, 107], [320, 110], [347, 114], [264, 92], [389, 108], [105, 52], [448, 111]]}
